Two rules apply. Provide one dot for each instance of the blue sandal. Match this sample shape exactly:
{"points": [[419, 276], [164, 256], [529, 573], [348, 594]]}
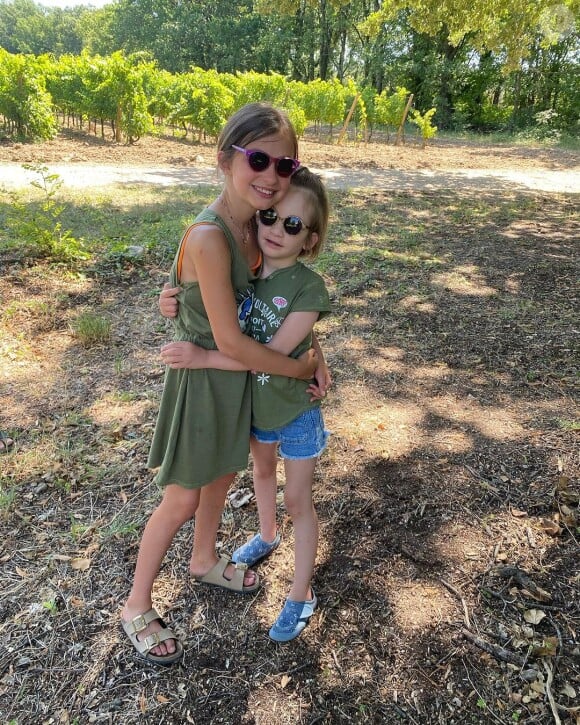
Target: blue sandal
{"points": [[255, 550], [6, 443], [292, 619]]}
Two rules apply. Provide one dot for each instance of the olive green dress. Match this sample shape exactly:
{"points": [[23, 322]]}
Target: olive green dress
{"points": [[203, 426]]}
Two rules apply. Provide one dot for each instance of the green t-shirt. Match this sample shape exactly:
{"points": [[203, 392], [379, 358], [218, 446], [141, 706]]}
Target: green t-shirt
{"points": [[277, 400]]}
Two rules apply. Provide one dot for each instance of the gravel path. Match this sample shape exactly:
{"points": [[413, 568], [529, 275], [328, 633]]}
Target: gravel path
{"points": [[83, 176]]}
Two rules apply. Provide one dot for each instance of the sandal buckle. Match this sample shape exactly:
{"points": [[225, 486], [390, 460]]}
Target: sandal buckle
{"points": [[241, 565], [152, 640], [139, 623]]}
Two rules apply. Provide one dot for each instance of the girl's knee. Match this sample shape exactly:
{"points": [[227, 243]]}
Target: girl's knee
{"points": [[264, 469], [180, 503], [297, 503]]}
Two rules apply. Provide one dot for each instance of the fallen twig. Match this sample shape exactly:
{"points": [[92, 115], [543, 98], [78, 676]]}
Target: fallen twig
{"points": [[458, 594], [524, 581], [548, 686], [500, 653]]}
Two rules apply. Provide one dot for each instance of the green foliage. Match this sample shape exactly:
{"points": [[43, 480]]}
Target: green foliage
{"points": [[423, 121], [324, 102], [270, 87], [24, 102], [199, 99], [389, 108], [37, 229]]}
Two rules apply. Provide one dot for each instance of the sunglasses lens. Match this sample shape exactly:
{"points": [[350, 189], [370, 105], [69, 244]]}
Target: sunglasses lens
{"points": [[293, 225], [268, 217], [286, 167], [258, 160]]}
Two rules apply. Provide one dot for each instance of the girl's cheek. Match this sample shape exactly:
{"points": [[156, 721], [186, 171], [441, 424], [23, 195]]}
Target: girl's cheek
{"points": [[284, 186]]}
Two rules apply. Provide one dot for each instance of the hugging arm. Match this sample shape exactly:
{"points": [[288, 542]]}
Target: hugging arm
{"points": [[207, 260], [293, 330]]}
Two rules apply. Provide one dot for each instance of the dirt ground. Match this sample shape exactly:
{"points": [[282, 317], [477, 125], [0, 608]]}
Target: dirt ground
{"points": [[444, 154], [448, 497]]}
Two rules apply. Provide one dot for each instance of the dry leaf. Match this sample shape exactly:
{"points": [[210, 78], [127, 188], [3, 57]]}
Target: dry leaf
{"points": [[161, 698], [123, 496], [540, 595], [538, 686], [21, 572], [518, 513], [569, 691], [548, 648], [143, 703], [534, 616], [284, 681], [563, 482], [80, 563], [550, 527]]}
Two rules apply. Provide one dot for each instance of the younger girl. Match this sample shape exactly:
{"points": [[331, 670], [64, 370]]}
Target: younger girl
{"points": [[289, 299], [202, 435]]}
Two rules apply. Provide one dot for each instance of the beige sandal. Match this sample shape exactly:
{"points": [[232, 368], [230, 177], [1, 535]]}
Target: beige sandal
{"points": [[216, 577], [145, 645]]}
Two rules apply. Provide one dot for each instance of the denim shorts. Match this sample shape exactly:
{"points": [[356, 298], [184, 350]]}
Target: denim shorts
{"points": [[304, 437]]}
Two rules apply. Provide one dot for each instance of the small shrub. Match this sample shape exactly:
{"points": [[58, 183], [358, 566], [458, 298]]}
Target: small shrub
{"points": [[39, 231]]}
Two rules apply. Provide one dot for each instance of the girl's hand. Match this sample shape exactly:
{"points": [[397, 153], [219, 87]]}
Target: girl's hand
{"points": [[323, 381], [323, 377], [309, 360], [168, 305], [179, 355]]}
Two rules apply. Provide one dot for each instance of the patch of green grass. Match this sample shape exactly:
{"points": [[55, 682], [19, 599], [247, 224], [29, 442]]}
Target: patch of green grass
{"points": [[91, 329], [120, 527], [123, 396], [571, 425], [7, 496]]}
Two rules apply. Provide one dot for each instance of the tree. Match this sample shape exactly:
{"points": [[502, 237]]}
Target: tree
{"points": [[506, 26]]}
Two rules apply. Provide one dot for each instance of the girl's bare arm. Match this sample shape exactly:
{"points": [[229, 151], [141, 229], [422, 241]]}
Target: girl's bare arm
{"points": [[207, 260]]}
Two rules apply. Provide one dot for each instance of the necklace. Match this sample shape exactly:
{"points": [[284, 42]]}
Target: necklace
{"points": [[242, 229]]}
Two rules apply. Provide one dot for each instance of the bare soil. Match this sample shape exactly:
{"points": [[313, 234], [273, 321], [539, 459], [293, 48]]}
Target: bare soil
{"points": [[319, 152], [448, 497]]}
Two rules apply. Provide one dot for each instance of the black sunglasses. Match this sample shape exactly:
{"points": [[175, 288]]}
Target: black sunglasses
{"points": [[260, 161], [292, 224]]}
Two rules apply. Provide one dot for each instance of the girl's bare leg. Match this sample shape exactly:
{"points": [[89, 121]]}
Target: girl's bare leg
{"points": [[298, 501], [265, 459], [177, 506], [207, 521]]}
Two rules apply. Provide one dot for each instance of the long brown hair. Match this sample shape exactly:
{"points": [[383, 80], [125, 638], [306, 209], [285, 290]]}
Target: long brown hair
{"points": [[252, 122]]}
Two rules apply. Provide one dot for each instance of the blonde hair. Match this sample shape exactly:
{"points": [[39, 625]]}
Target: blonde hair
{"points": [[313, 185]]}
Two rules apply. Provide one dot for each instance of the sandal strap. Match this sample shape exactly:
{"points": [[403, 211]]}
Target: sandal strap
{"points": [[141, 621], [145, 645]]}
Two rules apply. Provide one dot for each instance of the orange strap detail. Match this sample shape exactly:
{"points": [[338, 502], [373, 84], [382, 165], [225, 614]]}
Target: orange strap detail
{"points": [[182, 247], [255, 267]]}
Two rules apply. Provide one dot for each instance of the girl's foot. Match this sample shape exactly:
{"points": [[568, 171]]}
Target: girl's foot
{"points": [[228, 575], [255, 550], [292, 619], [150, 635]]}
